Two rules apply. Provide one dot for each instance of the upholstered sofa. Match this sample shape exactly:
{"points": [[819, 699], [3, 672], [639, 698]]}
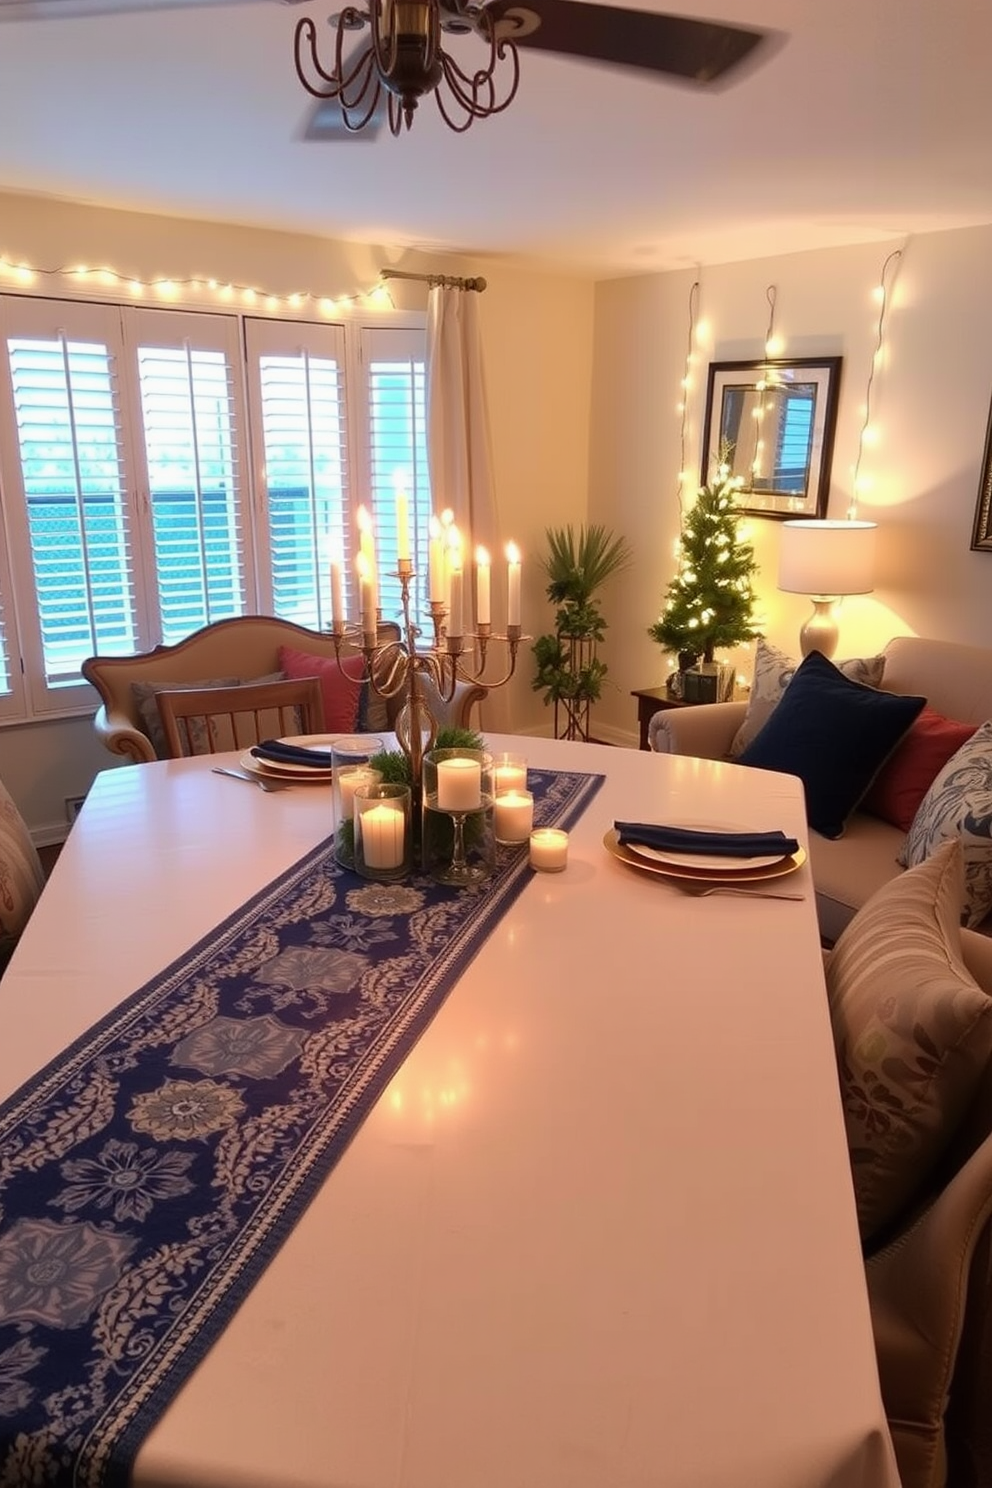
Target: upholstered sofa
{"points": [[244, 649], [956, 680]]}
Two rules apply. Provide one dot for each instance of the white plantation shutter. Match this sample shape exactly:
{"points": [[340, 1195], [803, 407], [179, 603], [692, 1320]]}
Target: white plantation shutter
{"points": [[297, 399], [74, 520], [397, 423], [190, 417], [130, 511]]}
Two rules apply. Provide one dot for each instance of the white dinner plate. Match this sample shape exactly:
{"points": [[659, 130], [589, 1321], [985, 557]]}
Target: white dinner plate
{"points": [[714, 862]]}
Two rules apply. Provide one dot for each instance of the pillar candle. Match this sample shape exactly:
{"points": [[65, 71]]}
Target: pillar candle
{"points": [[514, 812], [510, 774], [453, 591], [483, 606], [456, 621], [366, 538], [365, 593], [337, 602], [548, 849], [402, 527], [382, 829], [436, 563], [349, 779], [459, 785], [512, 584]]}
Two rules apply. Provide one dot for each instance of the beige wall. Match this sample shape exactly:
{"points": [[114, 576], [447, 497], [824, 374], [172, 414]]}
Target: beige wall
{"points": [[930, 405], [538, 343], [584, 382]]}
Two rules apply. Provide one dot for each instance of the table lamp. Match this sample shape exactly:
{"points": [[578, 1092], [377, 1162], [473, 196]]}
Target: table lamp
{"points": [[825, 560]]}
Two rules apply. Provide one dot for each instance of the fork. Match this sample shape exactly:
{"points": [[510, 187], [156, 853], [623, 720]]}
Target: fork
{"points": [[744, 893], [265, 785]]}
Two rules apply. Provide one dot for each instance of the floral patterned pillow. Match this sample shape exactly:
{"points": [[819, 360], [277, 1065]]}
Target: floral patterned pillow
{"points": [[773, 671], [21, 876], [912, 1031], [959, 805]]}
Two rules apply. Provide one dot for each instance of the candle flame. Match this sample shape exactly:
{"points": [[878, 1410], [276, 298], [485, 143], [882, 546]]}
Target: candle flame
{"points": [[512, 553], [482, 557]]}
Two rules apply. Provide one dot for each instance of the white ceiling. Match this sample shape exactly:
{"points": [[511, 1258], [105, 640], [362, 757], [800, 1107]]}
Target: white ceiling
{"points": [[872, 119]]}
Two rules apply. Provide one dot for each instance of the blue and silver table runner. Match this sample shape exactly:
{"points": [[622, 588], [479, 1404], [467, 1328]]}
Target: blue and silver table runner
{"points": [[151, 1172]]}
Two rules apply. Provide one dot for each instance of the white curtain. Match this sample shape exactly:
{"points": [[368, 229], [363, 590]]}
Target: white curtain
{"points": [[459, 450]]}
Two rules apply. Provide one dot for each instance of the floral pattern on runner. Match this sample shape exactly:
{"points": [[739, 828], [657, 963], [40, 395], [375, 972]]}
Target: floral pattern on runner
{"points": [[149, 1174]]}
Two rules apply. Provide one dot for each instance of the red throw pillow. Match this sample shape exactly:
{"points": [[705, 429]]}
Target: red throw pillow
{"points": [[340, 685], [902, 782]]}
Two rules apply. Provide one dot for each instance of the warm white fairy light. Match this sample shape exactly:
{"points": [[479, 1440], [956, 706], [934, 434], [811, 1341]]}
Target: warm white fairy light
{"points": [[867, 434], [682, 406], [193, 287]]}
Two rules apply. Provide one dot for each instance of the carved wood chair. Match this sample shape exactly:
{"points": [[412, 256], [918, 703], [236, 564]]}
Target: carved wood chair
{"points": [[21, 876], [209, 720]]}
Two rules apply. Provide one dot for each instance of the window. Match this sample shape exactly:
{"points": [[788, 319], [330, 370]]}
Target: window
{"points": [[322, 446], [162, 469]]}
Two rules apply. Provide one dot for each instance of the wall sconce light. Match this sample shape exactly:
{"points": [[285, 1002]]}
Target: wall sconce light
{"points": [[825, 560]]}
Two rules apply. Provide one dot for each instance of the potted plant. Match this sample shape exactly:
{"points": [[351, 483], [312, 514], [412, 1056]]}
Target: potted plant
{"points": [[710, 601], [569, 671]]}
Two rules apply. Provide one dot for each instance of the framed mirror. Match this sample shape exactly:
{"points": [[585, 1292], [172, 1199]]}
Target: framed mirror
{"points": [[777, 420], [981, 537]]}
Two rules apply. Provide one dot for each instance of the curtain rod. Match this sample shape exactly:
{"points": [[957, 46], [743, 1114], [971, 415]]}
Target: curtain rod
{"points": [[445, 281]]}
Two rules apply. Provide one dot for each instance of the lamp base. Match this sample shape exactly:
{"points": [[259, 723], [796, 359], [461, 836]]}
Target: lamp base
{"points": [[820, 633]]}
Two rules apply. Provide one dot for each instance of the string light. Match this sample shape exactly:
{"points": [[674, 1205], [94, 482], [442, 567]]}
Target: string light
{"points": [[682, 407], [86, 277], [767, 376], [866, 434]]}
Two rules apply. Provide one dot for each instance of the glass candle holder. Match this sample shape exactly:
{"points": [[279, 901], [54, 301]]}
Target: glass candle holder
{"points": [[514, 816], [458, 832], [350, 768], [548, 849], [383, 840], [509, 773]]}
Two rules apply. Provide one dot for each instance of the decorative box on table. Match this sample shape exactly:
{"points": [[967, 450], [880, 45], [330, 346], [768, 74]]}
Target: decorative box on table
{"points": [[708, 682]]}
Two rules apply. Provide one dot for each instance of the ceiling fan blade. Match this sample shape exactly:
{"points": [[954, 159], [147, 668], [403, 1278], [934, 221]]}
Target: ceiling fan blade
{"points": [[325, 122], [676, 45]]}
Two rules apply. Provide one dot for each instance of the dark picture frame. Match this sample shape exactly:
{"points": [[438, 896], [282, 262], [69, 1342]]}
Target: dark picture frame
{"points": [[981, 537], [778, 418]]}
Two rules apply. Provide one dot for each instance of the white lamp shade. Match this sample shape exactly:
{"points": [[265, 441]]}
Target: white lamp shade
{"points": [[827, 558]]}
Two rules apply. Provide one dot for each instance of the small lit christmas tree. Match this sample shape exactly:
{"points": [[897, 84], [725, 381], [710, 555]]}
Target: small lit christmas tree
{"points": [[711, 600]]}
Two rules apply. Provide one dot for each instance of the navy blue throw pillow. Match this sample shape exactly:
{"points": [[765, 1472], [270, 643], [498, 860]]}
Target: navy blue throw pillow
{"points": [[835, 735]]}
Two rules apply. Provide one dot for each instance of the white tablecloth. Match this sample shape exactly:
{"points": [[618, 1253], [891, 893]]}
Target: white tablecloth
{"points": [[598, 1233]]}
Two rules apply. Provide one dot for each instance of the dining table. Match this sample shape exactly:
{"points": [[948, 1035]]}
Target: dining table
{"points": [[595, 1230]]}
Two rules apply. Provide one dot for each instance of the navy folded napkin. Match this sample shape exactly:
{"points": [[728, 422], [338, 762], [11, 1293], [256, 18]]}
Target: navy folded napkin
{"points": [[291, 754], [722, 844]]}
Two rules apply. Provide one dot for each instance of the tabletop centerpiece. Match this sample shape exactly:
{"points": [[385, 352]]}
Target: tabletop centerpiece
{"points": [[398, 668]]}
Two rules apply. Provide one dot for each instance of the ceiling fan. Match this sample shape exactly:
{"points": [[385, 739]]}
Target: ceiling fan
{"points": [[404, 57], [388, 54]]}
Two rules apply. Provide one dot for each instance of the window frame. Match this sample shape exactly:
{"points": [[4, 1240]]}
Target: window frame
{"points": [[120, 326]]}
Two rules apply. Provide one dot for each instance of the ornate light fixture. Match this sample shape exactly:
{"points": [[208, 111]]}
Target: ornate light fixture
{"points": [[404, 58]]}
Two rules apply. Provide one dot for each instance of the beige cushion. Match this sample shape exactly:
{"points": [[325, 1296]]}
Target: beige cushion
{"points": [[773, 670], [959, 804], [912, 1030], [21, 876]]}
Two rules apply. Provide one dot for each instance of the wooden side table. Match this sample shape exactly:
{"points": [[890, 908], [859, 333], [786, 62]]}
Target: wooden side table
{"points": [[652, 700]]}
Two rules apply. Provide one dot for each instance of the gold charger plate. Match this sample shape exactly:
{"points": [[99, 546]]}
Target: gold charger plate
{"points": [[295, 774], [778, 869]]}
